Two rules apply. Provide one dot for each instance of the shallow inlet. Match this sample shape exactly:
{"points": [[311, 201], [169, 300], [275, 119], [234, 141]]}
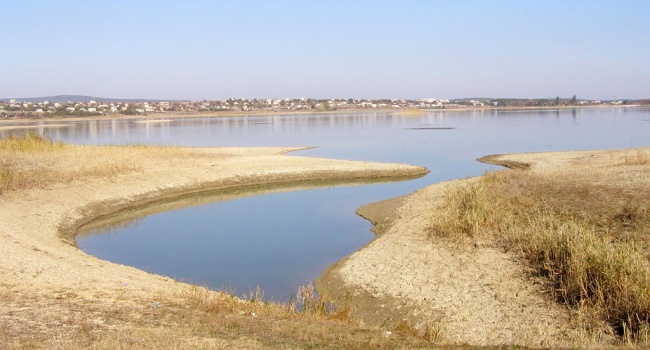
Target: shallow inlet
{"points": [[282, 240]]}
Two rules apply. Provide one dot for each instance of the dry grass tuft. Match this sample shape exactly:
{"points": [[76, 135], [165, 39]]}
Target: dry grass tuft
{"points": [[587, 232], [407, 327], [431, 332], [310, 302], [434, 333], [638, 158]]}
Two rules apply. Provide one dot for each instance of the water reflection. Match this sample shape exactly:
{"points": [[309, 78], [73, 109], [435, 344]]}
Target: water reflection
{"points": [[130, 217], [281, 240], [220, 130]]}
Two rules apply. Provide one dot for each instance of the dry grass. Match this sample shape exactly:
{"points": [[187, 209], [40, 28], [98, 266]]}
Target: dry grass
{"points": [[189, 317], [587, 231], [638, 158], [31, 161], [193, 317], [432, 332], [309, 302]]}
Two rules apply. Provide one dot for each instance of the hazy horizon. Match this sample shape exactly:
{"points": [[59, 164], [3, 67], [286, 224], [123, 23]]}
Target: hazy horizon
{"points": [[216, 50]]}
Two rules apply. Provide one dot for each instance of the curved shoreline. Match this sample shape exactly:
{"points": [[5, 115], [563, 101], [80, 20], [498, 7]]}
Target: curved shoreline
{"points": [[288, 182], [39, 266], [479, 295], [399, 275]]}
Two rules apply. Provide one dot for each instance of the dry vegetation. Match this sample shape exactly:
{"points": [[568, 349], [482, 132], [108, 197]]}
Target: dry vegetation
{"points": [[31, 161], [189, 317], [586, 230], [193, 317]]}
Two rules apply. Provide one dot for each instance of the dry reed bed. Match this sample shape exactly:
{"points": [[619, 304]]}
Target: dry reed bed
{"points": [[31, 161], [585, 229]]}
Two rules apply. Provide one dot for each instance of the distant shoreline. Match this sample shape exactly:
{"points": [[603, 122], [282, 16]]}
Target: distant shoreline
{"points": [[229, 114]]}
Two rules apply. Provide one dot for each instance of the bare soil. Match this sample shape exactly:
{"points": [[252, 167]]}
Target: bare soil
{"points": [[477, 295], [50, 290]]}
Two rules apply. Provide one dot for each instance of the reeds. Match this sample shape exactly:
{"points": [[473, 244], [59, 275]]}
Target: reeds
{"points": [[31, 161], [30, 142], [588, 235], [310, 302]]}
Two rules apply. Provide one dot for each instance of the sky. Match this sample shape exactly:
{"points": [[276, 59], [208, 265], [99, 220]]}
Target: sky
{"points": [[196, 49]]}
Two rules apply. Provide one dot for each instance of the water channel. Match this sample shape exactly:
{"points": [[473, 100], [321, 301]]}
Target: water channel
{"points": [[281, 238]]}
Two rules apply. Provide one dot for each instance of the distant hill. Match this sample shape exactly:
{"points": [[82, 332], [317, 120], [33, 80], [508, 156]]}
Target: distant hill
{"points": [[76, 98]]}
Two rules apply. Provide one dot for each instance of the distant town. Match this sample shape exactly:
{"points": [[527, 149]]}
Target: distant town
{"points": [[32, 108]]}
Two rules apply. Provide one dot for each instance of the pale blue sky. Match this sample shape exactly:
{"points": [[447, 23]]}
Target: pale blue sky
{"points": [[198, 49]]}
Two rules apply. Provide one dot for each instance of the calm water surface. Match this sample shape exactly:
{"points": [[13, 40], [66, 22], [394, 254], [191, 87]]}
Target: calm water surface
{"points": [[280, 240]]}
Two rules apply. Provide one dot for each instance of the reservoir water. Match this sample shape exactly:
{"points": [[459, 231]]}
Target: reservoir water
{"points": [[281, 238]]}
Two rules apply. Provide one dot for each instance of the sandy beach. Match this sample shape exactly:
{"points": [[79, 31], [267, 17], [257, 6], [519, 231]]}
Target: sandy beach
{"points": [[47, 283]]}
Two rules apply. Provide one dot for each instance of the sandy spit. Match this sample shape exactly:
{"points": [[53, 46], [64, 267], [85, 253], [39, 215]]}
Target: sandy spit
{"points": [[40, 265], [477, 296]]}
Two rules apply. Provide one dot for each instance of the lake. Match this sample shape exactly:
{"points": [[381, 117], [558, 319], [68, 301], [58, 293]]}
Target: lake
{"points": [[281, 238]]}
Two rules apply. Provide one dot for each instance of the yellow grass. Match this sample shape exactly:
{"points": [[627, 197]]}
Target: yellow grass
{"points": [[639, 157], [189, 317], [30, 161], [196, 318], [586, 231]]}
